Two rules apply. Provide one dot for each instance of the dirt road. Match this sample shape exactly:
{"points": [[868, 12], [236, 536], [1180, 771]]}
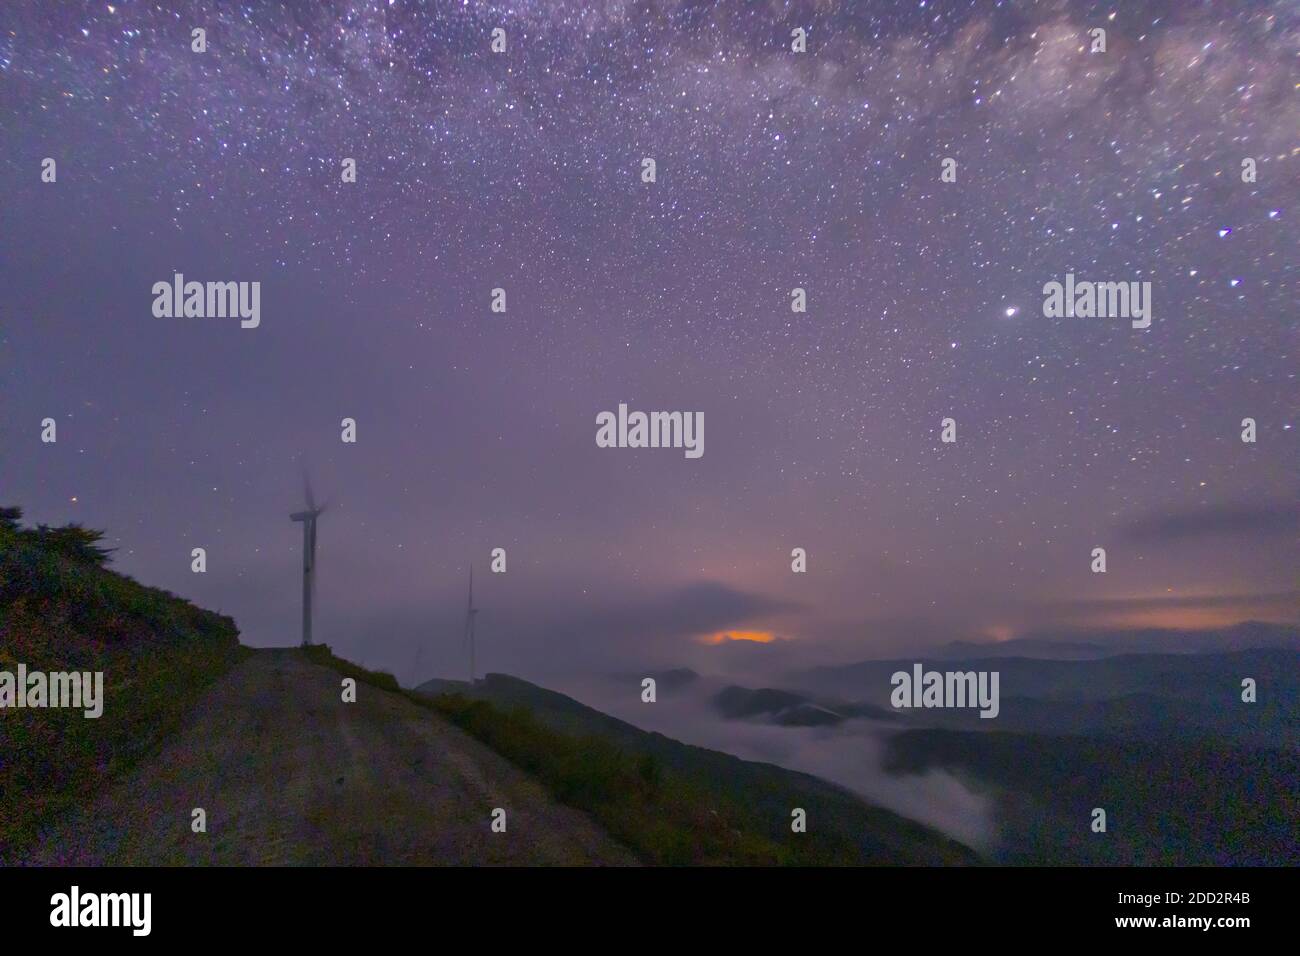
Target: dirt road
{"points": [[289, 774]]}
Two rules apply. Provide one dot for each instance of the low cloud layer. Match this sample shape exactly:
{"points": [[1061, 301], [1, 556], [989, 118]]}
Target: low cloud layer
{"points": [[1257, 520], [849, 755]]}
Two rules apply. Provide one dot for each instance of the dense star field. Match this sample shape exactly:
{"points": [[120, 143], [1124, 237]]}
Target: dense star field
{"points": [[774, 170]]}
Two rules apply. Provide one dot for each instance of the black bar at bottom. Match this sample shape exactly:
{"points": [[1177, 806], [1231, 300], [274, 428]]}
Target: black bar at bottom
{"points": [[335, 905]]}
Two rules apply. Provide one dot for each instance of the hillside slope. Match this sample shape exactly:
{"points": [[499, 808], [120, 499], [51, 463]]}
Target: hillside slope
{"points": [[289, 774], [843, 829], [61, 610]]}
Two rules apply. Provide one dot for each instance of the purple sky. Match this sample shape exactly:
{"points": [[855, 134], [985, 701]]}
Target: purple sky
{"points": [[521, 170]]}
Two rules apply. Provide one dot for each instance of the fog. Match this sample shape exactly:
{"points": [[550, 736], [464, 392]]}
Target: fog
{"points": [[849, 754]]}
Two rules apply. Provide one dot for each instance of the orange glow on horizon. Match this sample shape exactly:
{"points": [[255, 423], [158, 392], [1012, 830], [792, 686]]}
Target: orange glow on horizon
{"points": [[1190, 618], [1125, 614], [722, 637]]}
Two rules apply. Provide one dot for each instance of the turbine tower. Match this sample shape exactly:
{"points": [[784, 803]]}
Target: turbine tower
{"points": [[470, 613], [308, 519]]}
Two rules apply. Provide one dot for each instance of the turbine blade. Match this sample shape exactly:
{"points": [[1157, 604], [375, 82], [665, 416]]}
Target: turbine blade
{"points": [[306, 488]]}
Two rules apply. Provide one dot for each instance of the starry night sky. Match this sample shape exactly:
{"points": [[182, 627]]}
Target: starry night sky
{"points": [[775, 170]]}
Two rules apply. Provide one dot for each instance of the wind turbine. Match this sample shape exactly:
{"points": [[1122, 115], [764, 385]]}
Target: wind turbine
{"points": [[308, 519], [470, 613]]}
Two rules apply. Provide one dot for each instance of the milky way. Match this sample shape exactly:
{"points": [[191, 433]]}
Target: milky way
{"points": [[775, 170]]}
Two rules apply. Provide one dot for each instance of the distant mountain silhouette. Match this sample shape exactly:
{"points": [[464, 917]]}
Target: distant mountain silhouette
{"points": [[1025, 647], [1086, 644], [675, 679], [440, 685], [790, 709], [1157, 696]]}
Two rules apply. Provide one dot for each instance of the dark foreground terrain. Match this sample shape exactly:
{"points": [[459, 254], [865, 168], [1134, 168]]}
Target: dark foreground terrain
{"points": [[289, 774]]}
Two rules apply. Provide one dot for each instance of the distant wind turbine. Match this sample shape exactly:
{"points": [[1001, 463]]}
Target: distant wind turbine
{"points": [[470, 613], [308, 519]]}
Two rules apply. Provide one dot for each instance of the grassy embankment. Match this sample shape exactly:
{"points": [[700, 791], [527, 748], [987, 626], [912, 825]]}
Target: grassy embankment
{"points": [[62, 610]]}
